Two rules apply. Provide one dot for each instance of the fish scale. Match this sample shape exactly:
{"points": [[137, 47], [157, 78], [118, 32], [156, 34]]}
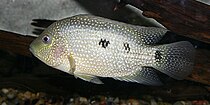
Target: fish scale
{"points": [[91, 47], [114, 57]]}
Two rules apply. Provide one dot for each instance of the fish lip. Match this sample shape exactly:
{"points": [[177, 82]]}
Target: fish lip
{"points": [[31, 50], [37, 56]]}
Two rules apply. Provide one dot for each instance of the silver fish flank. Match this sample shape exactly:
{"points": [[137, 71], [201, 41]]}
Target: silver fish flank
{"points": [[89, 47]]}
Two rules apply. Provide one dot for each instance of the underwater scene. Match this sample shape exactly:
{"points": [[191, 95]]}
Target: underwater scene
{"points": [[105, 52]]}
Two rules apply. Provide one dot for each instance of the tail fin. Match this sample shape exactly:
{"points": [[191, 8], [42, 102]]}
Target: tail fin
{"points": [[175, 59]]}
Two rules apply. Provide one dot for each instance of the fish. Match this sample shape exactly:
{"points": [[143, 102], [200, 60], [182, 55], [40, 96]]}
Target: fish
{"points": [[92, 47]]}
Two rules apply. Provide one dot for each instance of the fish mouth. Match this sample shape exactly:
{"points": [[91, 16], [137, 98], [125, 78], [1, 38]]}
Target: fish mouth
{"points": [[33, 52], [31, 49], [36, 55]]}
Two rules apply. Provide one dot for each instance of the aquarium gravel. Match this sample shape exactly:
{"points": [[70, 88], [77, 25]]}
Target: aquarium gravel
{"points": [[10, 96]]}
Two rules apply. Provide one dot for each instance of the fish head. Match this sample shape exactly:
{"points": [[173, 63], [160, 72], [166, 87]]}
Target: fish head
{"points": [[51, 47]]}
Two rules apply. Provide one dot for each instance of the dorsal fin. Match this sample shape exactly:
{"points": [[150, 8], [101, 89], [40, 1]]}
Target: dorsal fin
{"points": [[147, 35], [150, 35]]}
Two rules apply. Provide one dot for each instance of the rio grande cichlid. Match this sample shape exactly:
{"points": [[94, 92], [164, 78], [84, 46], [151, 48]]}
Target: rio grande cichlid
{"points": [[89, 47]]}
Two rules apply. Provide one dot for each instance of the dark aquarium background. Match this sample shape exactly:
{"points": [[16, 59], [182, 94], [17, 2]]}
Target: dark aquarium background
{"points": [[25, 80]]}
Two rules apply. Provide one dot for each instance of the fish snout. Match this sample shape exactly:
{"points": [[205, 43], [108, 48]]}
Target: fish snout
{"points": [[31, 48]]}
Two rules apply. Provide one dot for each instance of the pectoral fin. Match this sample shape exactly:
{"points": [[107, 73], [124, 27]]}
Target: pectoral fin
{"points": [[72, 64], [89, 78]]}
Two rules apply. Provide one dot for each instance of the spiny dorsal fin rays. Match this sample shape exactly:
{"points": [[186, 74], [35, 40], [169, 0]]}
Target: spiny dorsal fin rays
{"points": [[147, 35]]}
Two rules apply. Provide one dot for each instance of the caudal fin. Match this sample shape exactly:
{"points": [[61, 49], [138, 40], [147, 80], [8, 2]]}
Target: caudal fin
{"points": [[175, 59]]}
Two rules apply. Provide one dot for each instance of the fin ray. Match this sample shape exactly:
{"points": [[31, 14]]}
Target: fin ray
{"points": [[175, 59], [89, 78], [151, 35], [145, 76]]}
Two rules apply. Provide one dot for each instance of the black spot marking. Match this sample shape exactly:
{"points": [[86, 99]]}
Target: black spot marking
{"points": [[127, 48], [158, 55], [104, 43]]}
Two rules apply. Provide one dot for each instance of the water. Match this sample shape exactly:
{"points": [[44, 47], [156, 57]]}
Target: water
{"points": [[29, 74]]}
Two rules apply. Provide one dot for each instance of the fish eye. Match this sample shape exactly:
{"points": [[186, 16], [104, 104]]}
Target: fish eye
{"points": [[46, 39]]}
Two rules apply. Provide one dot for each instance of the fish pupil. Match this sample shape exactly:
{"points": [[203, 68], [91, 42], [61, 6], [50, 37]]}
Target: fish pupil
{"points": [[46, 39]]}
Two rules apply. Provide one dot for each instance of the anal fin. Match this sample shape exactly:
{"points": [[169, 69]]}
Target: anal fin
{"points": [[145, 76], [89, 78]]}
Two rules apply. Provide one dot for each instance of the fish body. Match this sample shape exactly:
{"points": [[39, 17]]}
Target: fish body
{"points": [[89, 47]]}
